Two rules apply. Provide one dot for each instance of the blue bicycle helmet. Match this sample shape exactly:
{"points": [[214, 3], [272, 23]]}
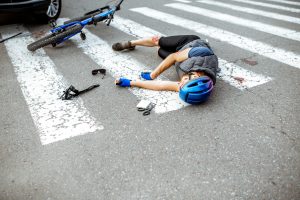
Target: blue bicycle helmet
{"points": [[196, 90]]}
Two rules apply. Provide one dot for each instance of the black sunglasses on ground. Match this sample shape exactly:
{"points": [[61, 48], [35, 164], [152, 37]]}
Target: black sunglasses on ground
{"points": [[101, 71]]}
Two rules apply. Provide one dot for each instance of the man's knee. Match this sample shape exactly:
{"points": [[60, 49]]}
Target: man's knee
{"points": [[163, 53], [155, 39]]}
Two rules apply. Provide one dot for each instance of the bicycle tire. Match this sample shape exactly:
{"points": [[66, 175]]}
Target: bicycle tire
{"points": [[53, 39], [82, 18]]}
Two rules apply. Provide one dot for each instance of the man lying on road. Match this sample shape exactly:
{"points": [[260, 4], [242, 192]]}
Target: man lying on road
{"points": [[195, 62]]}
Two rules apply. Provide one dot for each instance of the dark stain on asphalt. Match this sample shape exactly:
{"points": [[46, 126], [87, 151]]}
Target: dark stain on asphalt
{"points": [[239, 79], [249, 62]]}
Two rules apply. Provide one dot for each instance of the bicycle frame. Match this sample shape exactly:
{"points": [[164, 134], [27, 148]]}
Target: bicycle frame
{"points": [[92, 20]]}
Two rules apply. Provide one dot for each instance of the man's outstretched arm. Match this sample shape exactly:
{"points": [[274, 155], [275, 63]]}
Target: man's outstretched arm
{"points": [[151, 85], [156, 85], [179, 56]]}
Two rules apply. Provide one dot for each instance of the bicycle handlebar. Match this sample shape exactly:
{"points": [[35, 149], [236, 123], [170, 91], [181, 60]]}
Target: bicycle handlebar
{"points": [[118, 5], [109, 14]]}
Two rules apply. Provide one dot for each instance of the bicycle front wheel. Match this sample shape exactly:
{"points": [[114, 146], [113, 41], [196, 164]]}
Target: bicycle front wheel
{"points": [[53, 39]]}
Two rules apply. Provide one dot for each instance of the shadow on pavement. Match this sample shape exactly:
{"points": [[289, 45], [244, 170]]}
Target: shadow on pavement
{"points": [[17, 18]]}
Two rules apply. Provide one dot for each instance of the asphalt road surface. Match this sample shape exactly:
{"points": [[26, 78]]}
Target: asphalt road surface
{"points": [[241, 144]]}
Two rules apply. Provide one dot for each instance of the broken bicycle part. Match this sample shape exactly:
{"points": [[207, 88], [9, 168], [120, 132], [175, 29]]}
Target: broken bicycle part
{"points": [[72, 92]]}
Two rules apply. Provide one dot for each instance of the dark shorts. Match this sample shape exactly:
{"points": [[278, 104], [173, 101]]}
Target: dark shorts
{"points": [[172, 44]]}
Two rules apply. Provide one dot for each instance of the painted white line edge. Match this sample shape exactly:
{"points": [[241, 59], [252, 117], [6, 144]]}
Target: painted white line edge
{"points": [[267, 5], [183, 1], [266, 28], [286, 2], [253, 11], [42, 86]]}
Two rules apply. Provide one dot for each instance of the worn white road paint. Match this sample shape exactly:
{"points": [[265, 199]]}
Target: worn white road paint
{"points": [[183, 1], [278, 54], [240, 77], [274, 30], [230, 72], [253, 11], [122, 65], [42, 86], [286, 2], [268, 5], [133, 28]]}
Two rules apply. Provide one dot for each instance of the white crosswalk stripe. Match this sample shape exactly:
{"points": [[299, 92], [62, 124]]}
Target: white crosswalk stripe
{"points": [[252, 11], [230, 72], [268, 5], [275, 30], [183, 1], [278, 54], [42, 86], [286, 2]]}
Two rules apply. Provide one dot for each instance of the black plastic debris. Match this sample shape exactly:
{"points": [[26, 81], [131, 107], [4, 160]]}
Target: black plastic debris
{"points": [[72, 92], [3, 40], [52, 23], [145, 107]]}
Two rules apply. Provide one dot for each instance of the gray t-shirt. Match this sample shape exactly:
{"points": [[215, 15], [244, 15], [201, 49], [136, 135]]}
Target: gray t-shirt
{"points": [[206, 64]]}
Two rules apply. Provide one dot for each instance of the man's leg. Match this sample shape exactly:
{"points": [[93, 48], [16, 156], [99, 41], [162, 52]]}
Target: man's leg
{"points": [[176, 42], [172, 44], [148, 42]]}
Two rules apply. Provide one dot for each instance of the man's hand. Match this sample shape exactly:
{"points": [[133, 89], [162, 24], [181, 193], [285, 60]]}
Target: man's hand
{"points": [[123, 82], [146, 76], [157, 85]]}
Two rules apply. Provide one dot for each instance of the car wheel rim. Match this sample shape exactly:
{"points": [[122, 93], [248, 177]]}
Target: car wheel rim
{"points": [[53, 8]]}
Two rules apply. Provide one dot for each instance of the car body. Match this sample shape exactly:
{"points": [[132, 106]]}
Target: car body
{"points": [[43, 9]]}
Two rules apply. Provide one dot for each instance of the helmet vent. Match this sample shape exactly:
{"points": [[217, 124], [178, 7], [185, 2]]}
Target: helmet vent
{"points": [[196, 90], [205, 80], [193, 84]]}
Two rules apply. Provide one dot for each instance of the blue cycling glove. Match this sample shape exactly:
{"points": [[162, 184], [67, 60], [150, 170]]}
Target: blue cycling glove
{"points": [[146, 76], [123, 82]]}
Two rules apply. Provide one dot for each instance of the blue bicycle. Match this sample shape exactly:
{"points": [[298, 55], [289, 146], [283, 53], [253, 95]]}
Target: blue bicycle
{"points": [[74, 26]]}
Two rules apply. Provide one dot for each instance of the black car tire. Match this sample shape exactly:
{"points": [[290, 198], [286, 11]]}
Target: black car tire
{"points": [[52, 13]]}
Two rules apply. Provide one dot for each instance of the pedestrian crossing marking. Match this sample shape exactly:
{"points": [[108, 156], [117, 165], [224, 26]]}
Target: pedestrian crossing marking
{"points": [[252, 11], [286, 2], [274, 30], [274, 53], [183, 1], [229, 71], [42, 86], [267, 5]]}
